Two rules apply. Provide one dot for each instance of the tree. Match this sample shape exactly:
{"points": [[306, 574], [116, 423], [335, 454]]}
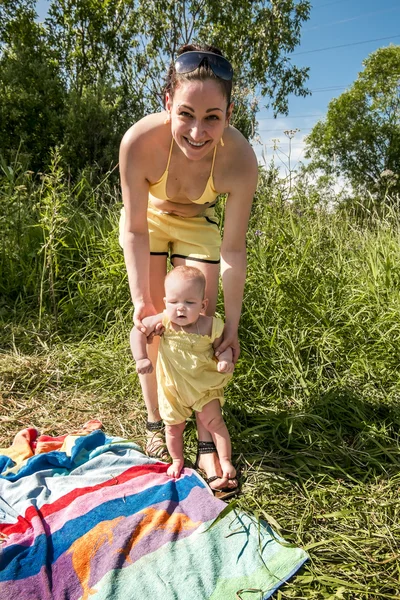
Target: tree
{"points": [[32, 95], [257, 36], [111, 57], [93, 42], [134, 43], [360, 136]]}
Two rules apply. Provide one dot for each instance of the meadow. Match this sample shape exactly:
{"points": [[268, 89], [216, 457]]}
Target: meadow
{"points": [[313, 408]]}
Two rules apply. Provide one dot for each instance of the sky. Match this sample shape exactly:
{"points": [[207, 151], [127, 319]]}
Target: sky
{"points": [[358, 26], [339, 35]]}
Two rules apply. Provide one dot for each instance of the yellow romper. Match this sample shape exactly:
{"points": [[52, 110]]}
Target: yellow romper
{"points": [[187, 376]]}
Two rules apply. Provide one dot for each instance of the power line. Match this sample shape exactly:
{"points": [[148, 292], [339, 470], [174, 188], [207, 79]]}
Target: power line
{"points": [[371, 14], [390, 37], [298, 143], [327, 4], [329, 89], [316, 90]]}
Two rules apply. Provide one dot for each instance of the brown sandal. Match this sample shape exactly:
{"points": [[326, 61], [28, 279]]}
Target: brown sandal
{"points": [[155, 446], [222, 493]]}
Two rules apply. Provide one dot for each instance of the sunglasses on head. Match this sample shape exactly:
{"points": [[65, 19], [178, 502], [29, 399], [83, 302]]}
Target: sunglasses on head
{"points": [[189, 61]]}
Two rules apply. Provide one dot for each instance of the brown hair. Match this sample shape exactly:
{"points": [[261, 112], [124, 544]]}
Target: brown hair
{"points": [[189, 273], [202, 72]]}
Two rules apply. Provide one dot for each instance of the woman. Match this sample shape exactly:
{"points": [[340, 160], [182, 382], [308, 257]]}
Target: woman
{"points": [[173, 166]]}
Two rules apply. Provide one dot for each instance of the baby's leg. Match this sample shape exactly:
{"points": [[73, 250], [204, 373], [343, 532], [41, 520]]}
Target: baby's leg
{"points": [[212, 419], [174, 440]]}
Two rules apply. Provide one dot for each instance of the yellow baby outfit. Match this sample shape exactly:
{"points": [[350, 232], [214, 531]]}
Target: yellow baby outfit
{"points": [[187, 376]]}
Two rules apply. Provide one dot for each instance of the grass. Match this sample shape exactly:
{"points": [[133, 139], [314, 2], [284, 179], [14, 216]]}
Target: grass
{"points": [[313, 407]]}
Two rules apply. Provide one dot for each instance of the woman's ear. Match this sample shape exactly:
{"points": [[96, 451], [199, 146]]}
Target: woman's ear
{"points": [[229, 114], [168, 102]]}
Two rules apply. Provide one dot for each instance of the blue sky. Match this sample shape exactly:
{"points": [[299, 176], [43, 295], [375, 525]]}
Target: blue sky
{"points": [[358, 26], [332, 23]]}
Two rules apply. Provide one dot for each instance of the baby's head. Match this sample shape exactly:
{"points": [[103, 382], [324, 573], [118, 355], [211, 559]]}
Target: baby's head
{"points": [[184, 295]]}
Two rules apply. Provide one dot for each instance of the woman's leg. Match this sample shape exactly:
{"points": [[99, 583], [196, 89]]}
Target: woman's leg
{"points": [[158, 269], [211, 273], [212, 419]]}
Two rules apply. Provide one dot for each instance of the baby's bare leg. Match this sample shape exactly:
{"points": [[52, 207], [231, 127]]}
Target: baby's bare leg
{"points": [[174, 440], [212, 419]]}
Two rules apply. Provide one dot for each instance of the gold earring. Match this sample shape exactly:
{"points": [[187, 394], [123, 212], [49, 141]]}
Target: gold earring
{"points": [[222, 142], [168, 119]]}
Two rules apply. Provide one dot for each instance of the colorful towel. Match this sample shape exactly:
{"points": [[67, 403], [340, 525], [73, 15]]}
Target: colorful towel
{"points": [[90, 516]]}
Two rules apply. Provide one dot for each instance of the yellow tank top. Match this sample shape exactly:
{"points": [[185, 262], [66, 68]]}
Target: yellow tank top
{"points": [[159, 188]]}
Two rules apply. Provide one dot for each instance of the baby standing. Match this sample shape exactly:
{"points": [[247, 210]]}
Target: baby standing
{"points": [[189, 377]]}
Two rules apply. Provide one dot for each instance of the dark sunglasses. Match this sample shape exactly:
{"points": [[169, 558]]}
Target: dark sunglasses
{"points": [[189, 61]]}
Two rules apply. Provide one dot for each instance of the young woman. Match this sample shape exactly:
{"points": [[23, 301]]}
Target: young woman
{"points": [[173, 166]]}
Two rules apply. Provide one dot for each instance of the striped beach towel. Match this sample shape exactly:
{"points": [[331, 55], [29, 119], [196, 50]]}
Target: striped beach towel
{"points": [[90, 516]]}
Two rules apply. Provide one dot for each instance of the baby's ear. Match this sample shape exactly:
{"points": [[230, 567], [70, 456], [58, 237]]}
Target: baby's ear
{"points": [[204, 304], [165, 301]]}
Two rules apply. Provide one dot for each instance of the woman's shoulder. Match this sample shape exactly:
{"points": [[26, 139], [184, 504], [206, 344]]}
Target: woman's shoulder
{"points": [[237, 146], [146, 132], [236, 160]]}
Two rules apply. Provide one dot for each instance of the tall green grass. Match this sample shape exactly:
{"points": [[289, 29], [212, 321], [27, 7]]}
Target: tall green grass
{"points": [[60, 267], [313, 407]]}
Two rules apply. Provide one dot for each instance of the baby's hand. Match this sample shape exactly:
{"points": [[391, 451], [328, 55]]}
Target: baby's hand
{"points": [[225, 366], [159, 330], [144, 366]]}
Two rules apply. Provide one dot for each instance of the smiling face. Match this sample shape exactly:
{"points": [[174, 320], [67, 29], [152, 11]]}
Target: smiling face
{"points": [[184, 299], [199, 115]]}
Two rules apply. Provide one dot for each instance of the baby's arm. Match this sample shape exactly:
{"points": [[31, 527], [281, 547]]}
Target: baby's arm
{"points": [[225, 359], [139, 343]]}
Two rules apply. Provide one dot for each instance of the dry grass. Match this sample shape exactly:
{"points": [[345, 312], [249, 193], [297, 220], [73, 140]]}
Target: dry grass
{"points": [[32, 394]]}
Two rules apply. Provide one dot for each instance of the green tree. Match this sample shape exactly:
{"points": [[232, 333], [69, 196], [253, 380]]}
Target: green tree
{"points": [[257, 36], [93, 42], [32, 95], [111, 56], [360, 136], [133, 43]]}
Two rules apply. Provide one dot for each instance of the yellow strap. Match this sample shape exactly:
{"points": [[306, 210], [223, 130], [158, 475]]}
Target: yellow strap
{"points": [[213, 161], [169, 157]]}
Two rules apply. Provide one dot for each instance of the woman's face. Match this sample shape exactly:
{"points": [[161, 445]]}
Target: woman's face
{"points": [[199, 115]]}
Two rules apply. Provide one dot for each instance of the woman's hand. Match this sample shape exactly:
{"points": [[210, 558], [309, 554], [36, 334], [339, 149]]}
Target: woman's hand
{"points": [[229, 339], [143, 310], [144, 366]]}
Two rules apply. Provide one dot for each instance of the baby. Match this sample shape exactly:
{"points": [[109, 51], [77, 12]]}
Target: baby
{"points": [[189, 376]]}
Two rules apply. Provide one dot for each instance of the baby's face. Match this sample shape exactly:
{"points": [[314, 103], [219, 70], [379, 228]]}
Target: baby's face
{"points": [[183, 300]]}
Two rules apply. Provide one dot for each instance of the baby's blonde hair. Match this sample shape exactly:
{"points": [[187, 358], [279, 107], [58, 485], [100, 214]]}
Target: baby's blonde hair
{"points": [[189, 273]]}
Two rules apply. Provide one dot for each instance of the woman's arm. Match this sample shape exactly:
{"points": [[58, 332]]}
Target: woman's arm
{"points": [[233, 249], [135, 193]]}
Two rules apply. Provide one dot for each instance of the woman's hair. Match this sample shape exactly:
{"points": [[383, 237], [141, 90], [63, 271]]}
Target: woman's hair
{"points": [[202, 72], [189, 273]]}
